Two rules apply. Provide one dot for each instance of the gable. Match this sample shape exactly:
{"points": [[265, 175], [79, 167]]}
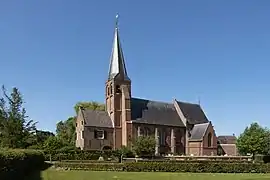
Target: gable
{"points": [[154, 112], [193, 113]]}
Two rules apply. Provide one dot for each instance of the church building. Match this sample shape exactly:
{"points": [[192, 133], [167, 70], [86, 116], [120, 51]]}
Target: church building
{"points": [[178, 127]]}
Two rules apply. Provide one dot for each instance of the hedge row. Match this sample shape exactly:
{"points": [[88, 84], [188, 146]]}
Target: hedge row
{"points": [[193, 161], [63, 155], [15, 164], [205, 167], [78, 155], [154, 161]]}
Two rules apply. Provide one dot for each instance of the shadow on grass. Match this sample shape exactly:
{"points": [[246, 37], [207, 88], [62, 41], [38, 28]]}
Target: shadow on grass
{"points": [[37, 174]]}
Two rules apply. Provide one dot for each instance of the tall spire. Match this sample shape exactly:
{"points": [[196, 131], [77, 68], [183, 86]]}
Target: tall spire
{"points": [[117, 62]]}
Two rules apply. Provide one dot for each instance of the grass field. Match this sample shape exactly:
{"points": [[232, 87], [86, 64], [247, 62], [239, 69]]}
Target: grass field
{"points": [[89, 175]]}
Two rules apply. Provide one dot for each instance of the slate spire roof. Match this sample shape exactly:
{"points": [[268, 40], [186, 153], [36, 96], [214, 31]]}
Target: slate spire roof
{"points": [[117, 62]]}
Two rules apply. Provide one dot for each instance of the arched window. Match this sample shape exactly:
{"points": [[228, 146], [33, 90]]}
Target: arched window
{"points": [[108, 90], [209, 139], [141, 131], [147, 131], [162, 136]]}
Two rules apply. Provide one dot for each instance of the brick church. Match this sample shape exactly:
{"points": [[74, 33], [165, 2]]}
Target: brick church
{"points": [[178, 127]]}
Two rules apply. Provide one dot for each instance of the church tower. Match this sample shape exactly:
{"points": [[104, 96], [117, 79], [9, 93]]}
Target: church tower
{"points": [[118, 92]]}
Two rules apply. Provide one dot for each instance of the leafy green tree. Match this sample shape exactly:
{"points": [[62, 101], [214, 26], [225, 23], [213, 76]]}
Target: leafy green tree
{"points": [[253, 140], [144, 146], [267, 148], [42, 136], [65, 130], [89, 105], [16, 129], [53, 143]]}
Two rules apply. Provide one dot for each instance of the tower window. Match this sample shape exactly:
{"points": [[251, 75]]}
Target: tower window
{"points": [[118, 90], [111, 89]]}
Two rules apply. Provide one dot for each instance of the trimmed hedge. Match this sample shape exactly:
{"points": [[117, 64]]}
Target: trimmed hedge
{"points": [[77, 154], [16, 163], [91, 166], [205, 167], [88, 161], [192, 161]]}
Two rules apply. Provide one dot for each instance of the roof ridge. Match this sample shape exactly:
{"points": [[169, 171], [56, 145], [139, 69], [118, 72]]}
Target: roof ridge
{"points": [[226, 135], [187, 102], [202, 123], [157, 101]]}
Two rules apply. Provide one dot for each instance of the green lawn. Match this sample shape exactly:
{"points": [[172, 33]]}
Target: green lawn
{"points": [[89, 175]]}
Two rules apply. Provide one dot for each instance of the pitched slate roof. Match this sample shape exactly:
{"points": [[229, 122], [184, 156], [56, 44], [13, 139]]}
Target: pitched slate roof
{"points": [[193, 112], [96, 118], [226, 139], [229, 149], [154, 112], [198, 131]]}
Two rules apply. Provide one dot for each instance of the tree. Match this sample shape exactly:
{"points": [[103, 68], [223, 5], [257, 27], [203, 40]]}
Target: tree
{"points": [[144, 146], [253, 140], [42, 136], [267, 147], [53, 143], [17, 130], [66, 131], [89, 105]]}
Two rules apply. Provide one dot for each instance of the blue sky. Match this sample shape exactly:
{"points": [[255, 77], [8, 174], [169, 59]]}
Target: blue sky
{"points": [[57, 53]]}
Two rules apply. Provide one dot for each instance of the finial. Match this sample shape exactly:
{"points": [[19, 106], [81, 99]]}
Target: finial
{"points": [[116, 20], [199, 100]]}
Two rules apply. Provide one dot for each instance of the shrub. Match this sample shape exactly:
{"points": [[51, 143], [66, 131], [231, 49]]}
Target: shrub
{"points": [[205, 167], [91, 166], [17, 163], [192, 161], [124, 152], [144, 146], [266, 159]]}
